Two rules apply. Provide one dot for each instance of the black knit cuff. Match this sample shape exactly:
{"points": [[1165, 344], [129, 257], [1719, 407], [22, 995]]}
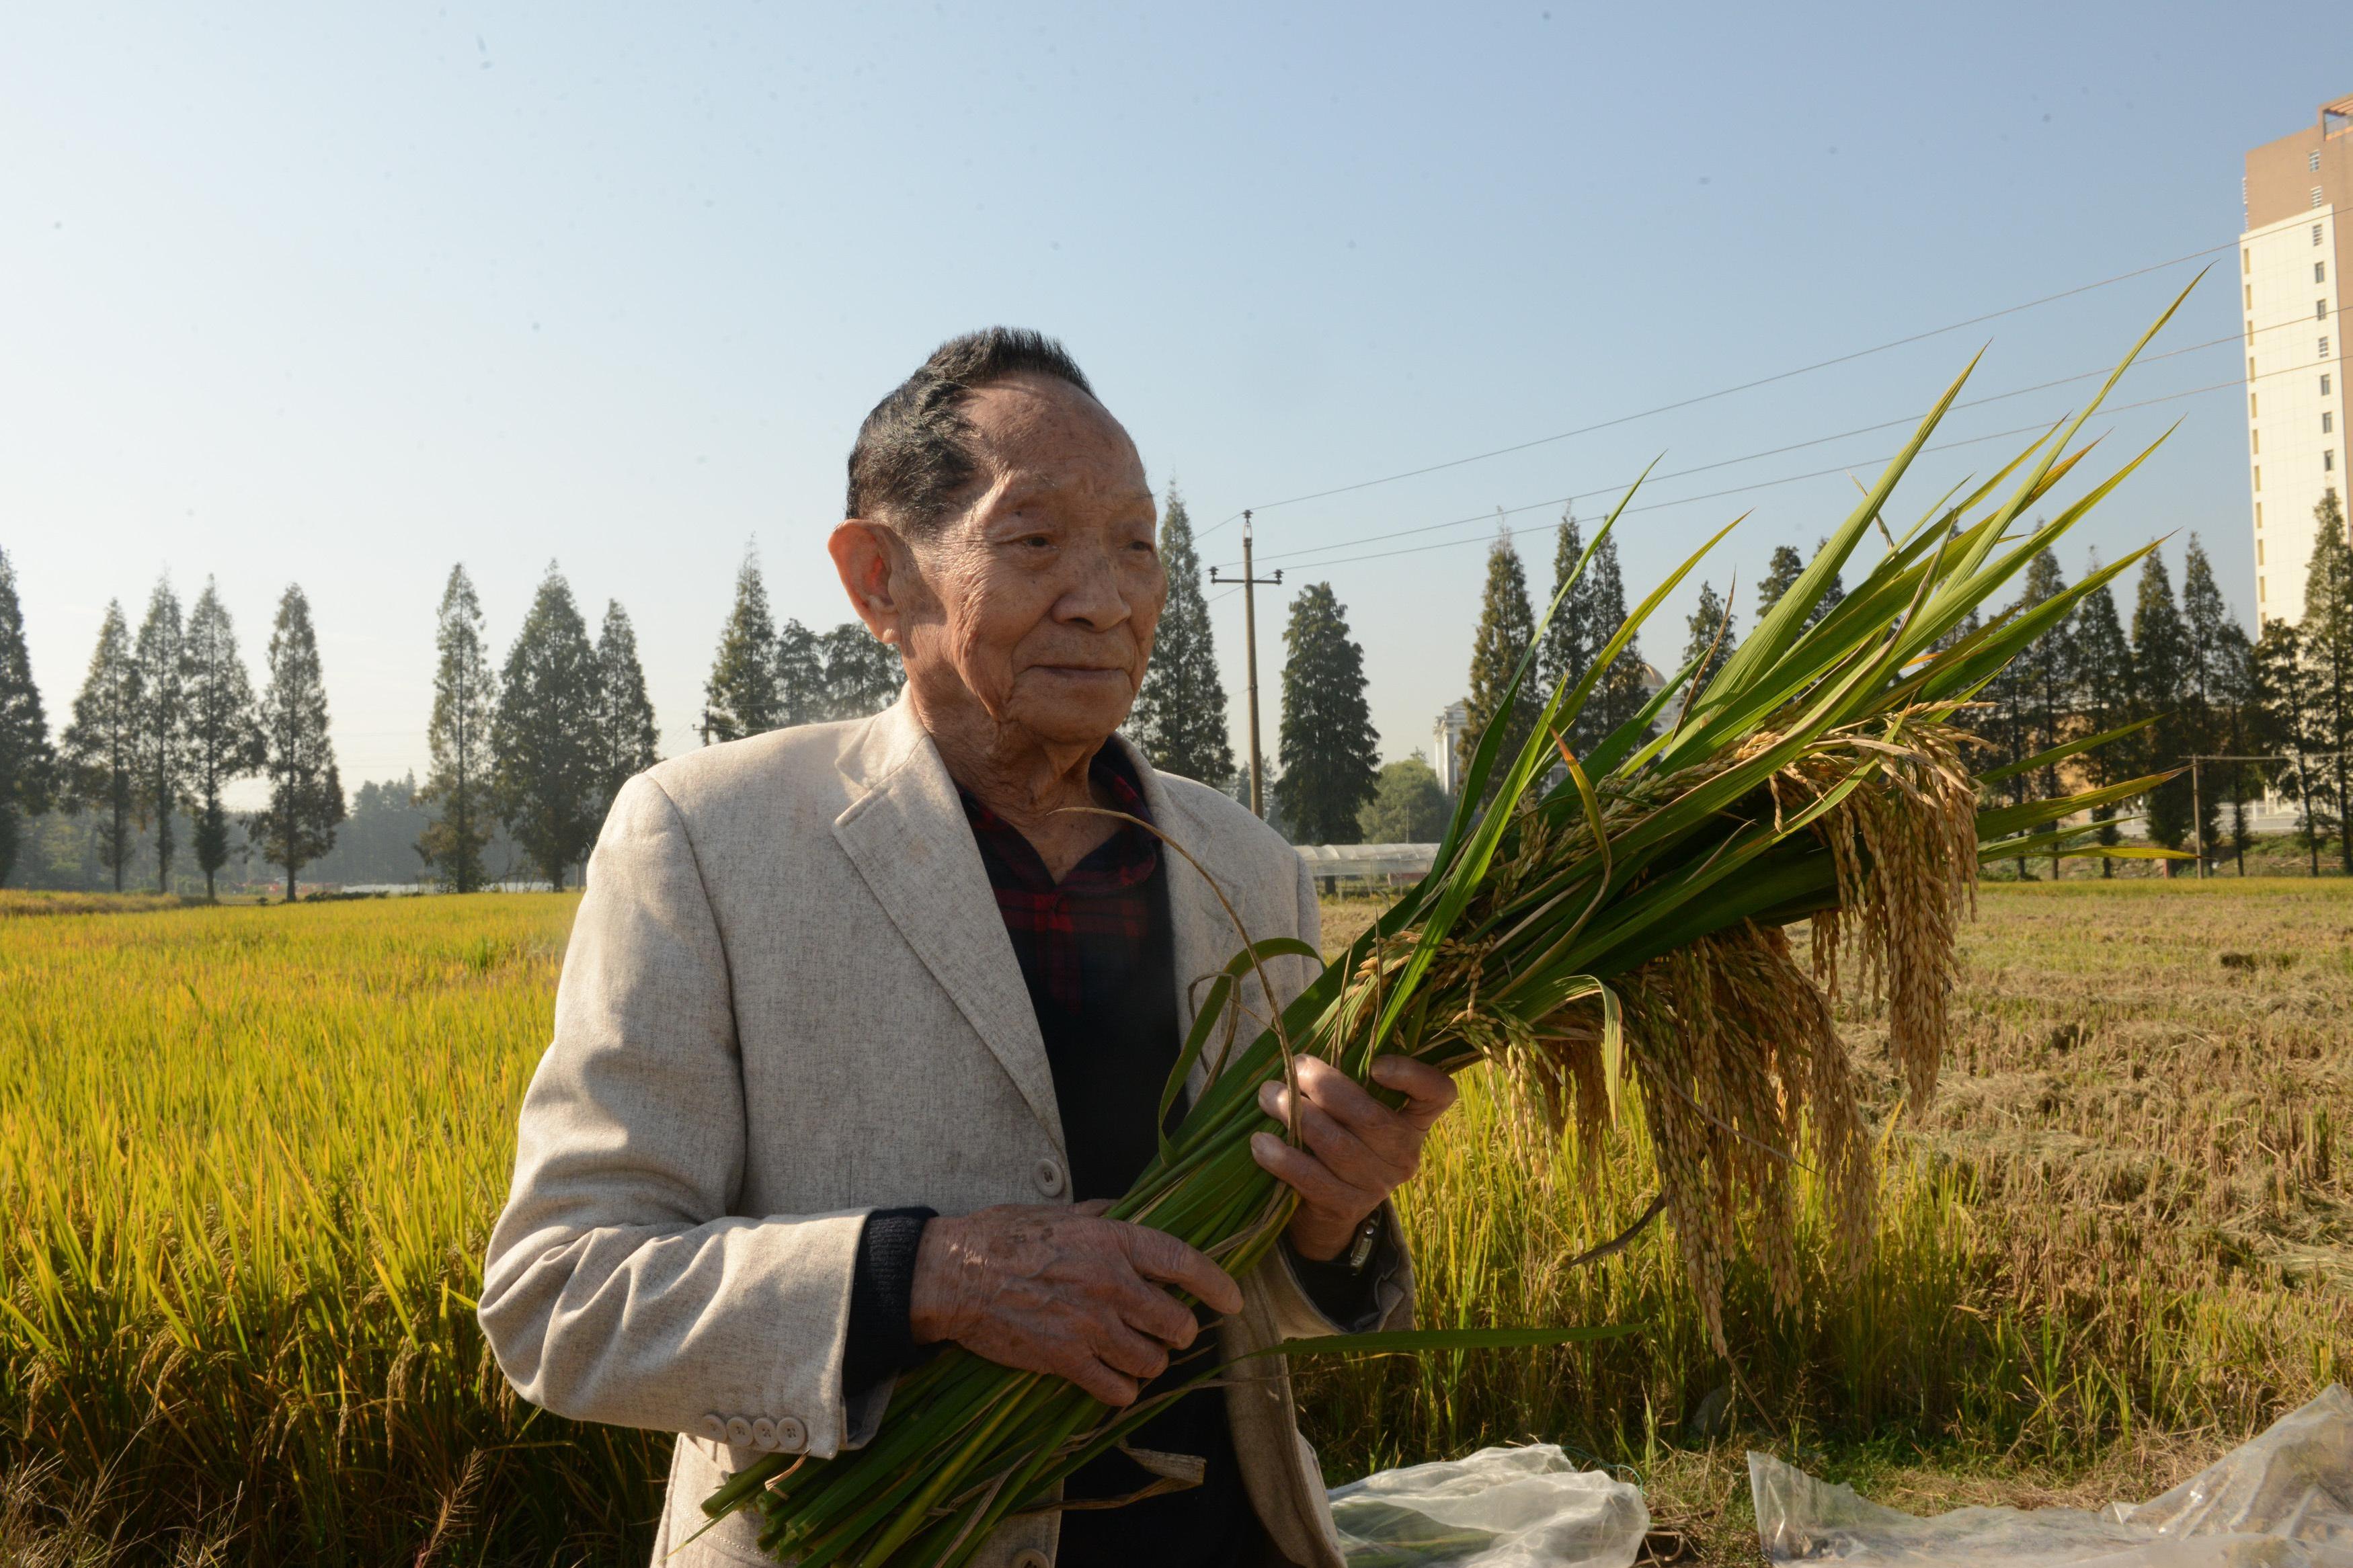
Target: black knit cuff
{"points": [[881, 1341], [1348, 1297]]}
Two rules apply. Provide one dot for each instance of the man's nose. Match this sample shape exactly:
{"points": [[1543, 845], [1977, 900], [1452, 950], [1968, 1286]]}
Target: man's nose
{"points": [[1092, 597]]}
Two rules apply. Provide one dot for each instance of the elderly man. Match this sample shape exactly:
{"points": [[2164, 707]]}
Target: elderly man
{"points": [[861, 1024]]}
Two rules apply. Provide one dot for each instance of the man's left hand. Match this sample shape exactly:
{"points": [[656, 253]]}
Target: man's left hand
{"points": [[1357, 1150]]}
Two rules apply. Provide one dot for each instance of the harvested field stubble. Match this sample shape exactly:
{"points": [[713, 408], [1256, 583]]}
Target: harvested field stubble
{"points": [[247, 1159], [2122, 1221]]}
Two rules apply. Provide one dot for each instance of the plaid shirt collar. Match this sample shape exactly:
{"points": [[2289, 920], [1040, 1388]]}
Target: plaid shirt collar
{"points": [[1097, 917]]}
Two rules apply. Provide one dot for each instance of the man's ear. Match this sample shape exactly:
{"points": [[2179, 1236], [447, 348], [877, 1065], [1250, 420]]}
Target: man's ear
{"points": [[875, 566]]}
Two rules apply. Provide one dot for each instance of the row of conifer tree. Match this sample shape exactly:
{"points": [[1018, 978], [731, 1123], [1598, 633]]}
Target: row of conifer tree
{"points": [[167, 719], [167, 716], [2268, 716]]}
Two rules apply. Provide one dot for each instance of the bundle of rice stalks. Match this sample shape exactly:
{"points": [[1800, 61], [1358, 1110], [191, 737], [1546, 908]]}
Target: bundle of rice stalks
{"points": [[1607, 927]]}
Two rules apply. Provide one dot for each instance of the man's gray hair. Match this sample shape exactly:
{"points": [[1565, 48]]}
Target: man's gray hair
{"points": [[913, 454]]}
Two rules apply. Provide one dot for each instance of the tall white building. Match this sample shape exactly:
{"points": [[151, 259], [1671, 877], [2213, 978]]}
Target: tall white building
{"points": [[2296, 444]]}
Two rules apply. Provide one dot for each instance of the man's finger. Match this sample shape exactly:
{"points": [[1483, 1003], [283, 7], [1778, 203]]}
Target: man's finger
{"points": [[1388, 1143], [1428, 1093], [1153, 1311], [1156, 1255], [1098, 1380], [1303, 1174], [1374, 1171], [1123, 1349]]}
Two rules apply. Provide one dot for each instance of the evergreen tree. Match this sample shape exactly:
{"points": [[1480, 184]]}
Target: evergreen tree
{"points": [[2160, 677], [224, 731], [1715, 634], [1833, 595], [2239, 780], [2041, 689], [741, 698], [2104, 697], [465, 701], [1506, 627], [1407, 807], [861, 675], [27, 763], [1618, 696], [1781, 573], [542, 751], [306, 792], [162, 722], [800, 675], [624, 735], [100, 747], [1329, 749], [1570, 643], [2287, 704], [1179, 720], [2326, 634], [2208, 625]]}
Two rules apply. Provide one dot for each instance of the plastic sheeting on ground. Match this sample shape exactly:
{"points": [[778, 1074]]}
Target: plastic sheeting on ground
{"points": [[2283, 1500], [1499, 1508]]}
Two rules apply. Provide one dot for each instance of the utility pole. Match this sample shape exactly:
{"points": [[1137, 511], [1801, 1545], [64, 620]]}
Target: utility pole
{"points": [[1251, 582]]}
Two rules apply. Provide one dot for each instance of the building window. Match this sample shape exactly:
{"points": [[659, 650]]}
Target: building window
{"points": [[2315, 195], [2320, 272], [2250, 367], [2259, 478], [2255, 442], [2260, 594], [2320, 309], [2251, 405], [2315, 233], [2251, 296], [2251, 331], [2259, 514], [2324, 348], [2246, 261], [2324, 386], [2328, 461], [2327, 421], [2259, 552], [2312, 160]]}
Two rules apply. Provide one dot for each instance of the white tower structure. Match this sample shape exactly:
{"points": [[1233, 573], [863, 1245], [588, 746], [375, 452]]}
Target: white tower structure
{"points": [[2288, 267]]}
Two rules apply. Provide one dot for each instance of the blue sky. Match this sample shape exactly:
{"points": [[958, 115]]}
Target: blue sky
{"points": [[343, 295]]}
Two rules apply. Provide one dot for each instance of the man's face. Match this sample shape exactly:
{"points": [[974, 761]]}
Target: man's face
{"points": [[1038, 601]]}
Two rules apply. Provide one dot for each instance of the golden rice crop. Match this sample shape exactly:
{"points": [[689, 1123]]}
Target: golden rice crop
{"points": [[249, 1158]]}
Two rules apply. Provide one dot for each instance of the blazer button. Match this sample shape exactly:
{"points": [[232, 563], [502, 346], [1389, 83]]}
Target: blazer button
{"points": [[1048, 1177], [739, 1431], [764, 1435], [1032, 1558], [792, 1437], [714, 1429]]}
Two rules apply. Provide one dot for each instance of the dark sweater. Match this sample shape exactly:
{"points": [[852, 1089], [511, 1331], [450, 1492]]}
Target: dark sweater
{"points": [[1096, 952]]}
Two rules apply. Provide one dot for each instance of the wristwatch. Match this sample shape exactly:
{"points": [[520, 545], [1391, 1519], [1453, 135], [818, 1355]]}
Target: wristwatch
{"points": [[1360, 1249]]}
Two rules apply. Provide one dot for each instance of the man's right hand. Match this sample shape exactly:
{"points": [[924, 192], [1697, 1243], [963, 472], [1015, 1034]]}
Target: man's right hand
{"points": [[1062, 1291]]}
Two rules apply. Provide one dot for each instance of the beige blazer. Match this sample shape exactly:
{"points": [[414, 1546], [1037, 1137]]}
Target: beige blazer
{"points": [[789, 999]]}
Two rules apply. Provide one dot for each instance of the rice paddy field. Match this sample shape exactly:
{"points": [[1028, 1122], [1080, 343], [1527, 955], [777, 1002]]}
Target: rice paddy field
{"points": [[249, 1157]]}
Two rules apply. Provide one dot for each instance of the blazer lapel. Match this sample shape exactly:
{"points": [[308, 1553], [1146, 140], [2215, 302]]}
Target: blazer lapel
{"points": [[910, 840], [1201, 936]]}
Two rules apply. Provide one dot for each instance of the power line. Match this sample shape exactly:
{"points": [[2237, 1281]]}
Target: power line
{"points": [[1728, 391], [1770, 484], [1816, 441], [1750, 457]]}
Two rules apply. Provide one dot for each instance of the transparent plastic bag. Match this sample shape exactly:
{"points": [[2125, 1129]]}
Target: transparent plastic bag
{"points": [[2283, 1500], [1499, 1508]]}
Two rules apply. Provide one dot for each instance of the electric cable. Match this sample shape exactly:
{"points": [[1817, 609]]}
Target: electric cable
{"points": [[1728, 391]]}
